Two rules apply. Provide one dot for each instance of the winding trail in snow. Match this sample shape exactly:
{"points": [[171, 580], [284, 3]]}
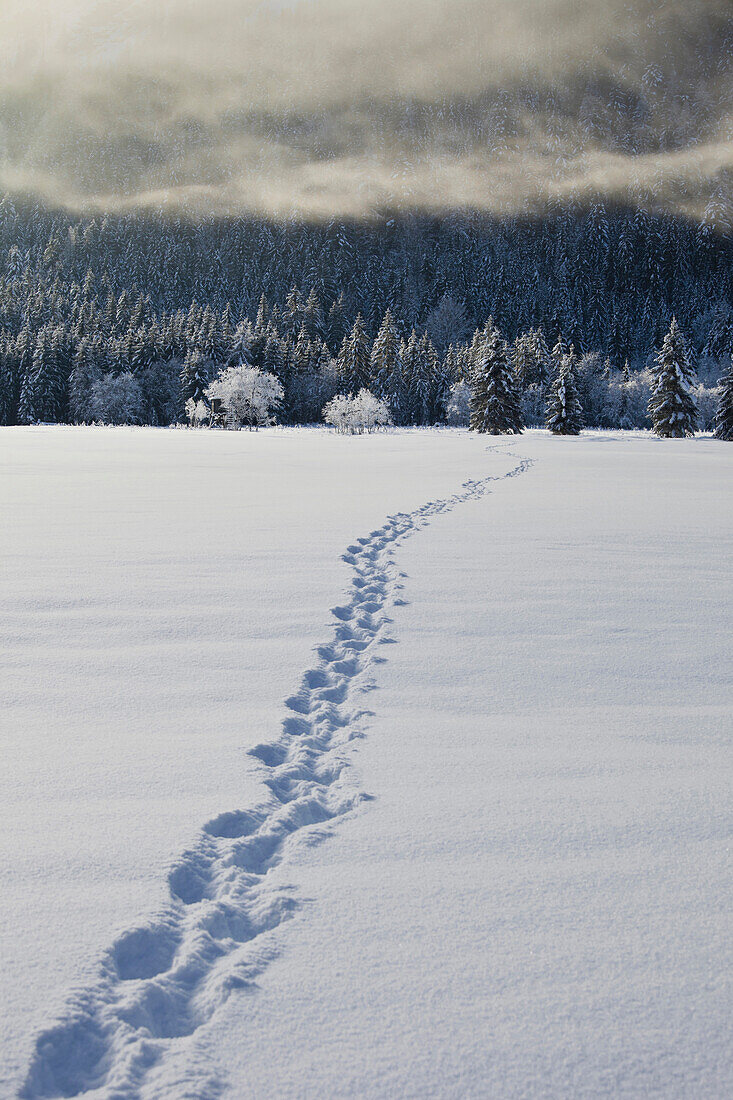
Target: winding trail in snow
{"points": [[161, 981]]}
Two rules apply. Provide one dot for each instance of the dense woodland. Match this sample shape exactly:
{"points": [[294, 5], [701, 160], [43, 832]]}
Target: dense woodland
{"points": [[124, 319]]}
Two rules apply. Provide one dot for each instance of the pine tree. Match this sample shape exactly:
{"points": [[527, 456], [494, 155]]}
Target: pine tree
{"points": [[313, 316], [194, 377], [719, 342], [428, 380], [44, 392], [724, 414], [530, 359], [384, 358], [84, 373], [336, 326], [6, 383], [410, 360], [564, 414], [672, 407], [353, 359], [494, 400]]}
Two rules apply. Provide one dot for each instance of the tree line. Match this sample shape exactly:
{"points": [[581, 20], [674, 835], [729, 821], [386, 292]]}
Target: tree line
{"points": [[126, 319]]}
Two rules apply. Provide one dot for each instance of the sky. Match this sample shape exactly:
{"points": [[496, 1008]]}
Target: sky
{"points": [[338, 107]]}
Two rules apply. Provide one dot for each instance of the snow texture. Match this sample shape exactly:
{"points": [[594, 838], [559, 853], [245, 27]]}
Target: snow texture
{"points": [[534, 904]]}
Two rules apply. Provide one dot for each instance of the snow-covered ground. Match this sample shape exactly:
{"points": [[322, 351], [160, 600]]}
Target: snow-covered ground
{"points": [[524, 890]]}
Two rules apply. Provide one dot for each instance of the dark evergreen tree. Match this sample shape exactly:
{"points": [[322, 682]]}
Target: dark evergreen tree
{"points": [[353, 360], [7, 404], [530, 359], [672, 407], [494, 400], [719, 342], [195, 377], [84, 373], [564, 415], [384, 358]]}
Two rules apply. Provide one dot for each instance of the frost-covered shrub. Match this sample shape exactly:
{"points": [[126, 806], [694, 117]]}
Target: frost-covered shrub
{"points": [[458, 408], [116, 399], [196, 412], [338, 412], [249, 395], [354, 415]]}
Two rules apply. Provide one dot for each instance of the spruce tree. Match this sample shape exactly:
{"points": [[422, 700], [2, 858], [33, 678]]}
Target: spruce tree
{"points": [[384, 358], [194, 377], [564, 415], [6, 385], [84, 373], [494, 400], [724, 414], [353, 359], [672, 407]]}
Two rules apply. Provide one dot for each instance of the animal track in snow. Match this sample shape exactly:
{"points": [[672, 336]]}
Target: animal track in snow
{"points": [[161, 981]]}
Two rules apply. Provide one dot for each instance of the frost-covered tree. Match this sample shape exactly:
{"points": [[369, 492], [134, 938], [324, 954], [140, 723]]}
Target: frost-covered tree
{"points": [[250, 396], [564, 415], [338, 412], [355, 415], [196, 412], [494, 399], [116, 399], [671, 406], [724, 414]]}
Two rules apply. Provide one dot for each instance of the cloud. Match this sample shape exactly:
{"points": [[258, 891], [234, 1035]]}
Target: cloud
{"points": [[333, 107]]}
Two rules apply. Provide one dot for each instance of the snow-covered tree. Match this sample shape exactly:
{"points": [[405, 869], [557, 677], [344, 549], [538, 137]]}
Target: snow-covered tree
{"points": [[354, 415], [724, 414], [338, 412], [353, 359], [672, 406], [116, 399], [530, 359], [384, 359], [250, 396], [196, 412], [494, 400], [564, 414], [370, 412]]}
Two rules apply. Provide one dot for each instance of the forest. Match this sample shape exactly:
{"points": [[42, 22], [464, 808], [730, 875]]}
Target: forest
{"points": [[123, 318]]}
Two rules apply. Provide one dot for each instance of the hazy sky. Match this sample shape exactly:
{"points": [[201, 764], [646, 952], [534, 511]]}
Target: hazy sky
{"points": [[338, 106]]}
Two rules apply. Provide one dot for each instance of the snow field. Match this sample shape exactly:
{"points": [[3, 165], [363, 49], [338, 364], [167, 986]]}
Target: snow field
{"points": [[164, 589], [535, 903]]}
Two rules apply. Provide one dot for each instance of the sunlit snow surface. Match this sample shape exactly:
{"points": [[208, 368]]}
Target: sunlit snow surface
{"points": [[534, 899]]}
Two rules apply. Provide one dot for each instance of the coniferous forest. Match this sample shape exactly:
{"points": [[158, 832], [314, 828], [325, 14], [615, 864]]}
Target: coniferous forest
{"points": [[124, 318]]}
